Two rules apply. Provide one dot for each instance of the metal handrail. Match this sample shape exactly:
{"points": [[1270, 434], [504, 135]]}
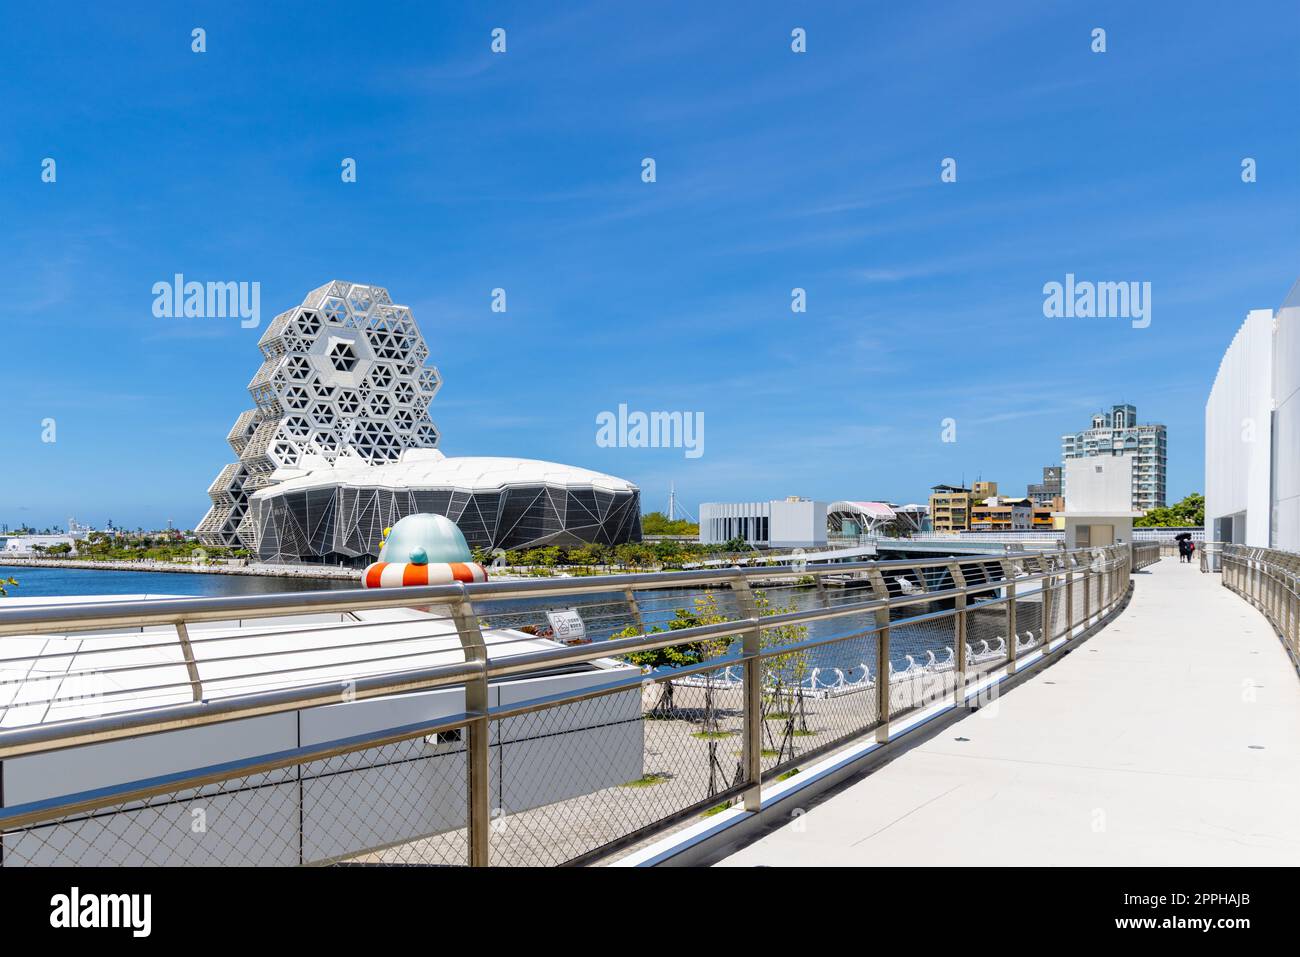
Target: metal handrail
{"points": [[1144, 554], [1012, 576], [61, 619], [1269, 579], [115, 615]]}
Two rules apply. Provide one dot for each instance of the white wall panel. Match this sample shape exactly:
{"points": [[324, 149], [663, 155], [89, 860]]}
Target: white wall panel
{"points": [[1286, 393], [1237, 431]]}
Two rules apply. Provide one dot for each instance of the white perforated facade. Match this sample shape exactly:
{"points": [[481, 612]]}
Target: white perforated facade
{"points": [[343, 377]]}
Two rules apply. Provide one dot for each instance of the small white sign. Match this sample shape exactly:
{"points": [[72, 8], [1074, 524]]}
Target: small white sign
{"points": [[567, 625]]}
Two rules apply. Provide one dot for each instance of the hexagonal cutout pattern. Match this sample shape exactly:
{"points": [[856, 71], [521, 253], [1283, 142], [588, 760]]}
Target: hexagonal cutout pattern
{"points": [[343, 372]]}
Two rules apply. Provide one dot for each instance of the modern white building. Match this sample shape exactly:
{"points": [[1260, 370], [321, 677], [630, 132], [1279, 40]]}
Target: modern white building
{"points": [[1252, 433], [1098, 509], [1117, 433], [32, 544], [790, 523]]}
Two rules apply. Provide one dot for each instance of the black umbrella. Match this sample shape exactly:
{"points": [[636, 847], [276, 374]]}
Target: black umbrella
{"points": [[1182, 535]]}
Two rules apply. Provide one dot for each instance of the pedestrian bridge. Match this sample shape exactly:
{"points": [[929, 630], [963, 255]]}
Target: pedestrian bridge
{"points": [[1172, 736], [1103, 704]]}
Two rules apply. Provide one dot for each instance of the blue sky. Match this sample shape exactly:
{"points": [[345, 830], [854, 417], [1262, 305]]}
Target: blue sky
{"points": [[775, 170]]}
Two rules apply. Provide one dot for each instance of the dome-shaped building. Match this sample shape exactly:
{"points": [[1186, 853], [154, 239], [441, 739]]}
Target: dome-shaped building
{"points": [[337, 514]]}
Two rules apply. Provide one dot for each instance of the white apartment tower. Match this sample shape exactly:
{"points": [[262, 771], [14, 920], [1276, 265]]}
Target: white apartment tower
{"points": [[1117, 433]]}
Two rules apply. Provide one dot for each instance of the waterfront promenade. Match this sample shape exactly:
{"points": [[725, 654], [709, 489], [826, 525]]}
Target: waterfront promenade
{"points": [[1171, 737]]}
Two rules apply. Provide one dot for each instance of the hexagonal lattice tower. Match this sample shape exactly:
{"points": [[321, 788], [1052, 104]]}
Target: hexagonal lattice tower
{"points": [[343, 376]]}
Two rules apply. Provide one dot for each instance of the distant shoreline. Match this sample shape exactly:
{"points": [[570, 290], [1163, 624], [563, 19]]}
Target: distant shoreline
{"points": [[256, 570]]}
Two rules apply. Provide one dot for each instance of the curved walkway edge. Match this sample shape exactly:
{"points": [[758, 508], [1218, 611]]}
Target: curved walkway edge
{"points": [[1171, 737]]}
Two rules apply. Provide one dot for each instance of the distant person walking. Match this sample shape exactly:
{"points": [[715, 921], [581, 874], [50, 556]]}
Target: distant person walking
{"points": [[1184, 549]]}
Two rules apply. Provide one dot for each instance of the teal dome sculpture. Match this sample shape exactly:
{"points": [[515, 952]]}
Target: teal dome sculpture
{"points": [[423, 539]]}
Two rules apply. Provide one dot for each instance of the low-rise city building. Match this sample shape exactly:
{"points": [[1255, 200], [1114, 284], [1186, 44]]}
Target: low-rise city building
{"points": [[950, 505], [1044, 516], [996, 514], [790, 523]]}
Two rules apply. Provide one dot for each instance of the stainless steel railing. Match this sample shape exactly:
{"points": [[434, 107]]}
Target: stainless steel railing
{"points": [[1270, 580], [1145, 553], [1211, 556], [503, 779]]}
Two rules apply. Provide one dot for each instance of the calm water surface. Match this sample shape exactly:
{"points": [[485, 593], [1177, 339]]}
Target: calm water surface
{"points": [[45, 582]]}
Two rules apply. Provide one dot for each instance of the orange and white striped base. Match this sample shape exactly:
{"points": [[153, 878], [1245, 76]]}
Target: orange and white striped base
{"points": [[400, 574]]}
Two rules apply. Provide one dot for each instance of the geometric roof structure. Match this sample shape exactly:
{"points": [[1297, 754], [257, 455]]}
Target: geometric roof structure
{"points": [[337, 514], [870, 517], [343, 380], [467, 473], [873, 518]]}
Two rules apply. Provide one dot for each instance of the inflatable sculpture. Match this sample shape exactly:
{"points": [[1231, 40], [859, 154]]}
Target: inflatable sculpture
{"points": [[422, 549]]}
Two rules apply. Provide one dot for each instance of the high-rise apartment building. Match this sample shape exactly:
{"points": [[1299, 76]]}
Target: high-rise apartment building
{"points": [[1117, 433]]}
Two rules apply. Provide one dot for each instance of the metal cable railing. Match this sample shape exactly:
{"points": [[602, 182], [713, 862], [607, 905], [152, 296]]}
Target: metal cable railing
{"points": [[1211, 556], [344, 726], [1270, 580], [1145, 553]]}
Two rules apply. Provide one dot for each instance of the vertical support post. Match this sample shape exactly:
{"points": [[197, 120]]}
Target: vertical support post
{"points": [[1276, 590], [1292, 617], [1046, 591], [635, 609], [478, 786], [1116, 564], [1283, 601], [1266, 592], [1009, 575], [1291, 607], [959, 630], [752, 701], [1087, 590], [191, 666], [883, 703], [1069, 595], [1111, 565]]}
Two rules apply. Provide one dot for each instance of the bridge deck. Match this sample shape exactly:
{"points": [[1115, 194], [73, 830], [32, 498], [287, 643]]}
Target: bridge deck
{"points": [[1170, 737]]}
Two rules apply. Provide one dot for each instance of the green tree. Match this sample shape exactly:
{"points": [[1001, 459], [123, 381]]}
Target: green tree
{"points": [[589, 554], [657, 523], [784, 672], [546, 557], [1189, 512], [633, 554], [704, 611]]}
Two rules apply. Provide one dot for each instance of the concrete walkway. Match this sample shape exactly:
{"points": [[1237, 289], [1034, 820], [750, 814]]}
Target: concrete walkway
{"points": [[1172, 737]]}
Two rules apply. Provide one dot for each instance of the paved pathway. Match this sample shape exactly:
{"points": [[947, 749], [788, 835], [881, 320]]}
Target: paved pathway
{"points": [[1172, 737]]}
